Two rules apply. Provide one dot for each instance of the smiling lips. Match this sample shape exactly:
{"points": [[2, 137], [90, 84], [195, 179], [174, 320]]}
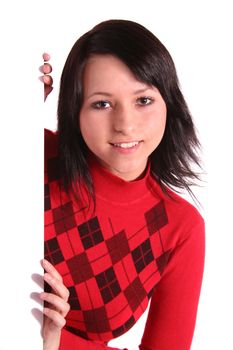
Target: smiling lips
{"points": [[126, 145]]}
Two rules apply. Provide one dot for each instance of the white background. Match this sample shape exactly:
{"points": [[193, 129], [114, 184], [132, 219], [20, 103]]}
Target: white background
{"points": [[198, 35]]}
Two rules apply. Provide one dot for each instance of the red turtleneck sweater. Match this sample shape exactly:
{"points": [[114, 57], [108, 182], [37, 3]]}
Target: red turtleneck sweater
{"points": [[137, 244]]}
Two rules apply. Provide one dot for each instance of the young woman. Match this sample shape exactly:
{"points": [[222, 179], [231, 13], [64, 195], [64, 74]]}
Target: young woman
{"points": [[116, 232]]}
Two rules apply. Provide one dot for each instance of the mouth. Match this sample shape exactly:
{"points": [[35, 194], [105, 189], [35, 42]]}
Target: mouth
{"points": [[126, 145]]}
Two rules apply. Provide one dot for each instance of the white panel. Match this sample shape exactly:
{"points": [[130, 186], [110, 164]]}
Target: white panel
{"points": [[198, 35]]}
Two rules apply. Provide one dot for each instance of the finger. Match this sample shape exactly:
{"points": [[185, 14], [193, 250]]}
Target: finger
{"points": [[47, 68], [48, 267], [58, 320], [46, 56], [57, 286], [56, 302], [46, 79]]}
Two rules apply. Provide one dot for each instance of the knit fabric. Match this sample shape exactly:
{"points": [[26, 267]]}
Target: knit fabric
{"points": [[134, 244]]}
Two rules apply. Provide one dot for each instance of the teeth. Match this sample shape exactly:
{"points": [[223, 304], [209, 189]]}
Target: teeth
{"points": [[126, 145]]}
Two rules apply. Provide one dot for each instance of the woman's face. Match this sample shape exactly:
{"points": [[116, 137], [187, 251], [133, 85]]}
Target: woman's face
{"points": [[122, 120]]}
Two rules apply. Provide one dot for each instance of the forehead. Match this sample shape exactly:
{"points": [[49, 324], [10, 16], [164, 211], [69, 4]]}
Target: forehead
{"points": [[108, 71]]}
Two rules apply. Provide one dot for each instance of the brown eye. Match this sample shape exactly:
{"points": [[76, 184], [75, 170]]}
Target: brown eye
{"points": [[101, 104], [144, 101]]}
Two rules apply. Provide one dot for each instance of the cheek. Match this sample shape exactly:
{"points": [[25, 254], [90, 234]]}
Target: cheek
{"points": [[91, 131], [85, 129], [85, 123], [156, 126]]}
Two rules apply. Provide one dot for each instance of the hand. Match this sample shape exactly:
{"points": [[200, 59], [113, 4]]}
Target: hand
{"points": [[58, 307], [46, 69]]}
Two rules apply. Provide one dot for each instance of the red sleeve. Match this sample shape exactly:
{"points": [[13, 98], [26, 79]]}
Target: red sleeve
{"points": [[172, 316]]}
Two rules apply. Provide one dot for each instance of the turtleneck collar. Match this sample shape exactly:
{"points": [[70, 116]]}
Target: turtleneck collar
{"points": [[114, 189]]}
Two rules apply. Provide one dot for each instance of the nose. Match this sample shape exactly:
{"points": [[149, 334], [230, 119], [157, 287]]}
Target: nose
{"points": [[124, 120]]}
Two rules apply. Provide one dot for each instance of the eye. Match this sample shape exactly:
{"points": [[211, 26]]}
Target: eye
{"points": [[144, 101], [101, 104]]}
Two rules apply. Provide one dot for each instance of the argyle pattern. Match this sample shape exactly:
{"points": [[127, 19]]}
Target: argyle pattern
{"points": [[134, 246], [110, 273]]}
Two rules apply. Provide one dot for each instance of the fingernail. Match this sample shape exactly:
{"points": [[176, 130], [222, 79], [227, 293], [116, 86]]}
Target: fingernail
{"points": [[43, 263], [46, 56], [46, 79]]}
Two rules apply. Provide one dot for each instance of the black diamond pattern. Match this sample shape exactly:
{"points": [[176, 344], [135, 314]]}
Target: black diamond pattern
{"points": [[90, 233], [142, 255], [108, 285]]}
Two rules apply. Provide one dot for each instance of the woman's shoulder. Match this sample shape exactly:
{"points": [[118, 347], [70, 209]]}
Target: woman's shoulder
{"points": [[182, 212], [50, 143], [51, 154]]}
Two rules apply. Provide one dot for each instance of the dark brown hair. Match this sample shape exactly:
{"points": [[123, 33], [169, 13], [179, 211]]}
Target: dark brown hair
{"points": [[150, 62]]}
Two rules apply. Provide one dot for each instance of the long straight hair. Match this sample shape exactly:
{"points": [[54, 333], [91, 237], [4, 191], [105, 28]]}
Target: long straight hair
{"points": [[151, 63]]}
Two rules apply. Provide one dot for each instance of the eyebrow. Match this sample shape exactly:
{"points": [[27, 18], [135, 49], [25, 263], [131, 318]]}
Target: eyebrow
{"points": [[110, 95]]}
